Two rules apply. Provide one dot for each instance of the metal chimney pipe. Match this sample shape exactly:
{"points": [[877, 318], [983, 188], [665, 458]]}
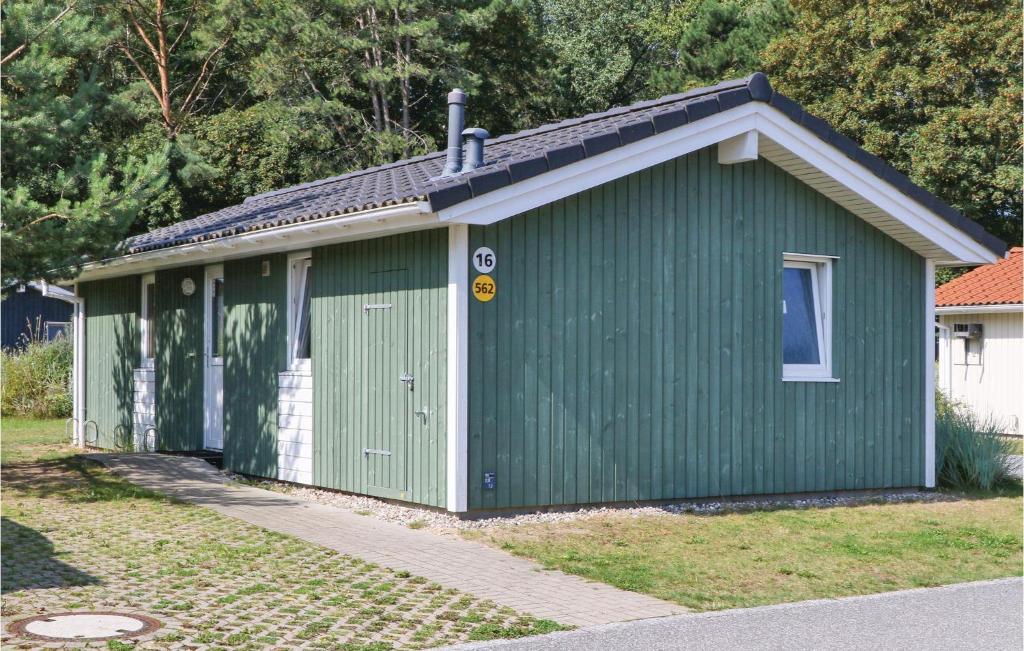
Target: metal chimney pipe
{"points": [[456, 118], [474, 139]]}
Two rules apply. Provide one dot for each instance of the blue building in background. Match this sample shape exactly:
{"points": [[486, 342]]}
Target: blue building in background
{"points": [[25, 312]]}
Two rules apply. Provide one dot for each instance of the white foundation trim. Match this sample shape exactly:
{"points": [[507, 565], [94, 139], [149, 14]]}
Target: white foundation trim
{"points": [[294, 433], [458, 368], [929, 374]]}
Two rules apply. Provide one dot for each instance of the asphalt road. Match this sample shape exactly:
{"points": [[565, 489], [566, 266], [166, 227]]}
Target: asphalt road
{"points": [[984, 615]]}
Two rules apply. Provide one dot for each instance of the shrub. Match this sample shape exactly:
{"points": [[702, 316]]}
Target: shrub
{"points": [[970, 454], [36, 379]]}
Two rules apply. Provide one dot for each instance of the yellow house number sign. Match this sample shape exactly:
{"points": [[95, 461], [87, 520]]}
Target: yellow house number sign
{"points": [[484, 288]]}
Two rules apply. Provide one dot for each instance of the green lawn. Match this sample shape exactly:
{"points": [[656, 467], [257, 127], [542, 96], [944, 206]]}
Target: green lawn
{"points": [[26, 439], [1017, 446], [76, 537], [710, 562]]}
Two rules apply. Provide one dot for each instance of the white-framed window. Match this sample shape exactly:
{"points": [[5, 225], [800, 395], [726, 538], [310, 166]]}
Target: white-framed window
{"points": [[56, 329], [300, 275], [148, 320], [807, 318]]}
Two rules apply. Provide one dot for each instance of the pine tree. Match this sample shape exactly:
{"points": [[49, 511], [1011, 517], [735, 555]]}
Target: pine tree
{"points": [[63, 200]]}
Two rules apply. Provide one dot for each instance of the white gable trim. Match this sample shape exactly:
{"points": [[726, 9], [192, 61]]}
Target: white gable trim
{"points": [[591, 172], [909, 216]]}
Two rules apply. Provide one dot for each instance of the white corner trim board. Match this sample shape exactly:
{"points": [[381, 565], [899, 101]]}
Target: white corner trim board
{"points": [[732, 129], [78, 370], [457, 466], [929, 374]]}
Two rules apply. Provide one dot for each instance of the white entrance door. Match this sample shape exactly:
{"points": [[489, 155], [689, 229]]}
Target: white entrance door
{"points": [[213, 356]]}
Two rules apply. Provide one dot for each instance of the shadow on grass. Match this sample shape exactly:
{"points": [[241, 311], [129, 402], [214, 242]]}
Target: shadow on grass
{"points": [[72, 479], [29, 563]]}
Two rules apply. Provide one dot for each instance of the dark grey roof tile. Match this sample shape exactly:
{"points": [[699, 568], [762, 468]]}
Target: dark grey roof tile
{"points": [[792, 110], [524, 168], [489, 181], [563, 155], [636, 131], [600, 143], [702, 108], [442, 198], [732, 98], [670, 119]]}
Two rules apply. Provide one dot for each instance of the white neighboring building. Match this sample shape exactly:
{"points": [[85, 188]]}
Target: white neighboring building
{"points": [[981, 340]]}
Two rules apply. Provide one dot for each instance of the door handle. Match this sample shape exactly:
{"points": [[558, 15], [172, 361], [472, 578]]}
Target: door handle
{"points": [[423, 413]]}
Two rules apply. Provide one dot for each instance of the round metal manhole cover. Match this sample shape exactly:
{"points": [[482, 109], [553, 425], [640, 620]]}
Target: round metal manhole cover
{"points": [[84, 626]]}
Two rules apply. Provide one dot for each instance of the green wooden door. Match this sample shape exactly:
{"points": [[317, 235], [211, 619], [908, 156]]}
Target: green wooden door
{"points": [[390, 377], [379, 312]]}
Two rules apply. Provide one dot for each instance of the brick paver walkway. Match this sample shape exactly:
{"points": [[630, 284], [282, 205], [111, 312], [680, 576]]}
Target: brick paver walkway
{"points": [[472, 567]]}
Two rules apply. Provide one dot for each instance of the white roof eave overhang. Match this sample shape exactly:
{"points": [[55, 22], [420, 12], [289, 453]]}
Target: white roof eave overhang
{"points": [[781, 141], [1002, 308], [302, 235]]}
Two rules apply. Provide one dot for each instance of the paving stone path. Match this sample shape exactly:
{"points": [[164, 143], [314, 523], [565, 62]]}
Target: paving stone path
{"points": [[468, 566]]}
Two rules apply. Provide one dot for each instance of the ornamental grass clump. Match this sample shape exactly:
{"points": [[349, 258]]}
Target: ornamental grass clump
{"points": [[970, 453], [35, 380]]}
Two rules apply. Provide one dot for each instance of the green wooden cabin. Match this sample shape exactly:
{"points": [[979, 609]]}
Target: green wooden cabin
{"points": [[710, 294]]}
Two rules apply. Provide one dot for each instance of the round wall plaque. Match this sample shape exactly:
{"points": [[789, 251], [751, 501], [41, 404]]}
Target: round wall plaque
{"points": [[188, 287]]}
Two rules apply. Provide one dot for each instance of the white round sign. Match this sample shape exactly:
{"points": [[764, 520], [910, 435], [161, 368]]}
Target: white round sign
{"points": [[484, 260], [188, 287]]}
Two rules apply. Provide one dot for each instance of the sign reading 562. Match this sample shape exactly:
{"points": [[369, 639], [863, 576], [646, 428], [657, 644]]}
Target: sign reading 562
{"points": [[484, 288]]}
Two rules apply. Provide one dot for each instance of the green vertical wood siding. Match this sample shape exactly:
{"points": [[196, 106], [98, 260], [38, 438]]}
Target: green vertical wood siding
{"points": [[359, 355], [179, 360], [256, 332], [633, 350], [111, 354]]}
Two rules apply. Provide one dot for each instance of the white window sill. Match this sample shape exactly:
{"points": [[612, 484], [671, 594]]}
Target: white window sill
{"points": [[306, 372], [810, 379]]}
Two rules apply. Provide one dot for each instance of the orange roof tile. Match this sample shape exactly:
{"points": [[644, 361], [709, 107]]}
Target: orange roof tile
{"points": [[992, 284]]}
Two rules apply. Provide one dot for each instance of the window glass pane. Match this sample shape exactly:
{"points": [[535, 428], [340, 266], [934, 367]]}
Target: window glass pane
{"points": [[302, 339], [218, 317], [149, 345], [799, 330]]}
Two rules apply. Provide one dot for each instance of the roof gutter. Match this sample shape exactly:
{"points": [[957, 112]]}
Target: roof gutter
{"points": [[980, 309], [352, 226]]}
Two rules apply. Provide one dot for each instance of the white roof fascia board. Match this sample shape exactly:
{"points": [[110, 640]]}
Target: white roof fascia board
{"points": [[980, 309], [858, 179], [342, 228]]}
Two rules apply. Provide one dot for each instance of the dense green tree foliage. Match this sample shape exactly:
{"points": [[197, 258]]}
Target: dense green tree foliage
{"points": [[931, 86], [124, 115], [63, 196]]}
